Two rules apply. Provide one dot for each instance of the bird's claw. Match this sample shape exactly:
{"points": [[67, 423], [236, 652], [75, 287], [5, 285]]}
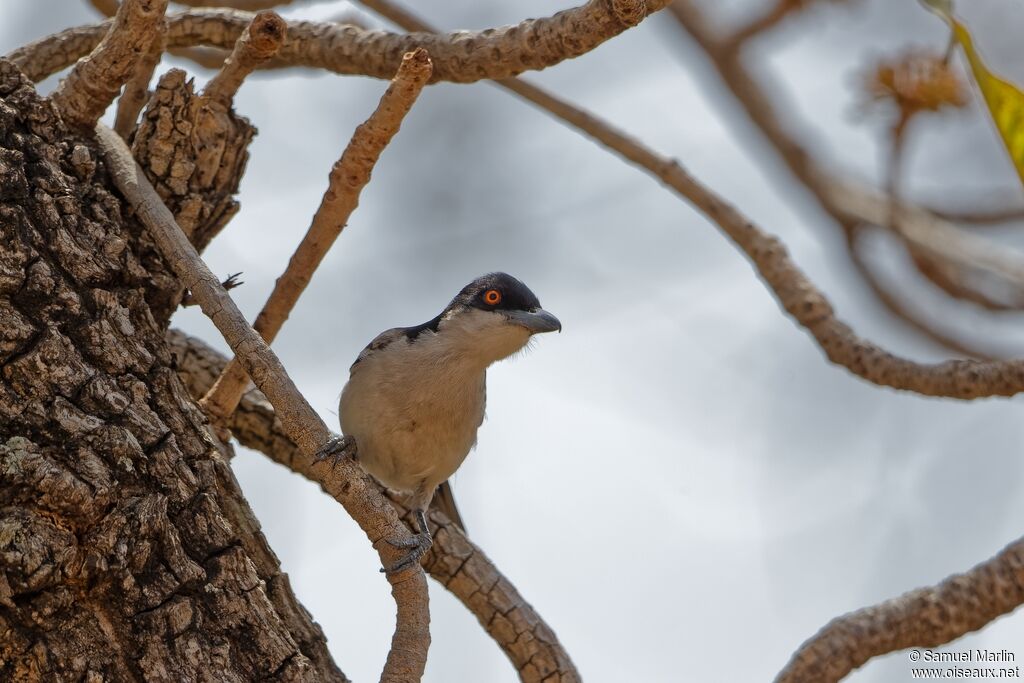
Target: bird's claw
{"points": [[336, 449], [418, 545], [232, 281]]}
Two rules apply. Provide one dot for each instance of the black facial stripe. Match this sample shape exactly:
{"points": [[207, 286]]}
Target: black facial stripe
{"points": [[412, 333], [515, 296]]}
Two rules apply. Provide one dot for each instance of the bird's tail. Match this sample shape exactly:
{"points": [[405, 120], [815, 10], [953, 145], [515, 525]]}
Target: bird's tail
{"points": [[444, 501]]}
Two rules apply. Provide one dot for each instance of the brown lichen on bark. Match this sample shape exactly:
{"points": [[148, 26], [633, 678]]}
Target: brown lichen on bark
{"points": [[126, 550]]}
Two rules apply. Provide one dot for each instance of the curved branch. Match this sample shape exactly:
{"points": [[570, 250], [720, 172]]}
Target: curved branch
{"points": [[453, 560], [962, 379], [92, 85], [848, 203], [894, 303], [344, 480], [348, 177], [926, 617], [462, 57]]}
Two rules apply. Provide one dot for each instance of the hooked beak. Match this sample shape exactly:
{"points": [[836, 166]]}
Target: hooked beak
{"points": [[535, 321]]}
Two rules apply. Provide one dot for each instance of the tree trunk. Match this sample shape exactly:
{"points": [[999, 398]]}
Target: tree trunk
{"points": [[127, 551]]}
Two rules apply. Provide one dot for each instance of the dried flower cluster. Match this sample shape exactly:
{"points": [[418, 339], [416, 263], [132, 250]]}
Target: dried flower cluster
{"points": [[915, 81]]}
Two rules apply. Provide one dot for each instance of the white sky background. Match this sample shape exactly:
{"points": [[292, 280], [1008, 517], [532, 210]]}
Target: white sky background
{"points": [[678, 482]]}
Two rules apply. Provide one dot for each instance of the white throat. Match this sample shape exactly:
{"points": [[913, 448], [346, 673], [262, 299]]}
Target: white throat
{"points": [[480, 337]]}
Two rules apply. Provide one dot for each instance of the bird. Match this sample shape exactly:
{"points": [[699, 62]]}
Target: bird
{"points": [[416, 396]]}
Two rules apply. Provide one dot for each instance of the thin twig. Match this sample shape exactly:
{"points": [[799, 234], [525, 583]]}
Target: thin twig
{"points": [[86, 92], [260, 41], [980, 216], [926, 617], [348, 177], [933, 240], [453, 560], [136, 90], [847, 202], [892, 301], [344, 480], [463, 56], [763, 22]]}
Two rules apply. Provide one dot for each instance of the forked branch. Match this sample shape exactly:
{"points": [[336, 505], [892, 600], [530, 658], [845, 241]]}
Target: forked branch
{"points": [[346, 481], [348, 177], [136, 90], [86, 92]]}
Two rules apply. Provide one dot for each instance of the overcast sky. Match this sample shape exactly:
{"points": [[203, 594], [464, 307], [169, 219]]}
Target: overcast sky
{"points": [[679, 482]]}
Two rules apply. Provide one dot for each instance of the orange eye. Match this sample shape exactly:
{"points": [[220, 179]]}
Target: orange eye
{"points": [[492, 297]]}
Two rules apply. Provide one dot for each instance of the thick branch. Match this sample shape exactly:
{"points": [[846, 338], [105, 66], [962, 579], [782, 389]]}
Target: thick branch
{"points": [[453, 560], [926, 617], [92, 85], [347, 178], [463, 57], [346, 482]]}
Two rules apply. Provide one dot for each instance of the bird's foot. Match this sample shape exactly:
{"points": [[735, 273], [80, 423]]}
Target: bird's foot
{"points": [[418, 545], [336, 449]]}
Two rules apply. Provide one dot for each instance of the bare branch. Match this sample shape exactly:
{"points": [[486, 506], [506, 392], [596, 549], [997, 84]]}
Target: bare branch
{"points": [[962, 379], [348, 177], [44, 57], [259, 42], [86, 92], [453, 560], [763, 22], [926, 235], [926, 617], [463, 57], [980, 216], [136, 91], [344, 480], [892, 301], [850, 203], [779, 11]]}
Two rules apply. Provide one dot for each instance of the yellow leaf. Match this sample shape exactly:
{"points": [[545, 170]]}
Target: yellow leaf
{"points": [[1005, 101]]}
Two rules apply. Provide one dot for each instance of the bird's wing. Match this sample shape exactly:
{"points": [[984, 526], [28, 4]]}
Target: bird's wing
{"points": [[381, 341], [444, 501]]}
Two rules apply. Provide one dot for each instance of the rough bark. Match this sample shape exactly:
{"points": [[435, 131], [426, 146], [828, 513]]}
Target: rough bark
{"points": [[195, 157], [126, 549]]}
